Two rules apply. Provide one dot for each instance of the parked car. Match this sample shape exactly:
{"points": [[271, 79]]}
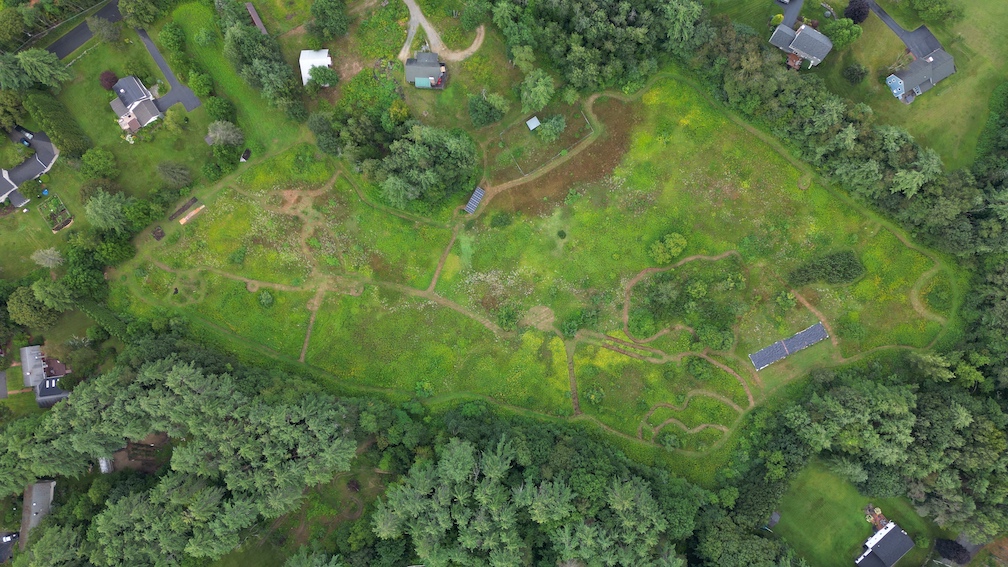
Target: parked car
{"points": [[9, 538], [24, 132], [25, 142]]}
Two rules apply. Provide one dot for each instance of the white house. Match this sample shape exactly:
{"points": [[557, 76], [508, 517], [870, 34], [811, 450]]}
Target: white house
{"points": [[311, 59]]}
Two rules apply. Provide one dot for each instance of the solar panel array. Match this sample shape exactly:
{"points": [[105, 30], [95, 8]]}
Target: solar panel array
{"points": [[781, 349], [474, 201]]}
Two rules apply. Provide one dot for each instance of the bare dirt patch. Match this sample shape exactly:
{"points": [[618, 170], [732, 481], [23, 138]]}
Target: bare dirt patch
{"points": [[592, 164], [540, 317]]}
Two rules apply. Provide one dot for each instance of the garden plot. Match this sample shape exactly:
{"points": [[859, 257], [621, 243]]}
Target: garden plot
{"points": [[55, 213], [519, 151]]}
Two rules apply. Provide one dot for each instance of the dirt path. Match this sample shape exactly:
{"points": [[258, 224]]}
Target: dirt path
{"points": [[417, 19], [569, 348]]}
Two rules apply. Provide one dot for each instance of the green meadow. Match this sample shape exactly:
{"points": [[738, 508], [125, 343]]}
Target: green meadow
{"points": [[551, 305]]}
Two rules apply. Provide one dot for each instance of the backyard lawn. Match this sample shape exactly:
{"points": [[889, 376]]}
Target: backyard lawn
{"points": [[823, 519]]}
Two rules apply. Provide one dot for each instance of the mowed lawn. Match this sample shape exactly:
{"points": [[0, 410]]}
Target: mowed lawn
{"points": [[823, 519], [948, 118], [89, 103]]}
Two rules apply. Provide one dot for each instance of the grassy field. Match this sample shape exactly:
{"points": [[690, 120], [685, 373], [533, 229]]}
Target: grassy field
{"points": [[823, 518], [536, 286]]}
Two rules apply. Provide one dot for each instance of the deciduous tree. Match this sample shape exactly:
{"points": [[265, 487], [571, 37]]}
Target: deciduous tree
{"points": [[25, 309], [225, 133], [47, 257], [103, 29], [536, 90]]}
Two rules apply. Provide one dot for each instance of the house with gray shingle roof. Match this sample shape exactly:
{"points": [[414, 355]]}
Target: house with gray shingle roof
{"points": [[804, 43], [921, 75], [134, 104]]}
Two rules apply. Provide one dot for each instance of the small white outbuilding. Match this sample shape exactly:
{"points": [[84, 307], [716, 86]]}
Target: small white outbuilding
{"points": [[309, 59], [532, 123]]}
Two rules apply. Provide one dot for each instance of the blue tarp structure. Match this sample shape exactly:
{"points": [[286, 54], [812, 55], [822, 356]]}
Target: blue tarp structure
{"points": [[781, 349]]}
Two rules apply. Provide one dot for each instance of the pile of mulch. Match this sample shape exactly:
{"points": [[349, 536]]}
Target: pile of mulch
{"points": [[181, 210], [158, 233]]}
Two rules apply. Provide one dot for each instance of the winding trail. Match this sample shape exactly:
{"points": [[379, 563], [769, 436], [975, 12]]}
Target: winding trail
{"points": [[297, 203]]}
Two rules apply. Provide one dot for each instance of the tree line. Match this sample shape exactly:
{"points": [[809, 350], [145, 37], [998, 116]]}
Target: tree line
{"points": [[243, 458]]}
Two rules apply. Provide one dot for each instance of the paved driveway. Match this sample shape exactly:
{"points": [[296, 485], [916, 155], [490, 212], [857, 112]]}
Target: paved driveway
{"points": [[920, 41], [78, 36], [791, 11], [178, 92]]}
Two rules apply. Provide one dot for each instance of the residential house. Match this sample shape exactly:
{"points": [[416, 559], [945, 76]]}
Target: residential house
{"points": [[804, 43], [426, 71], [134, 104], [921, 75], [42, 374], [885, 547], [311, 59]]}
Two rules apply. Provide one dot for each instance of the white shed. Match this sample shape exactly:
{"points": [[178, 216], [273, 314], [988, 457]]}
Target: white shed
{"points": [[311, 59], [532, 123]]}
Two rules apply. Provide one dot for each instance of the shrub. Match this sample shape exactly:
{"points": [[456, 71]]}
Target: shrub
{"points": [[99, 163], [836, 268], [776, 20], [219, 109], [266, 298], [108, 79], [855, 73], [666, 249], [205, 37], [172, 37], [500, 220], [201, 84], [786, 300], [90, 187]]}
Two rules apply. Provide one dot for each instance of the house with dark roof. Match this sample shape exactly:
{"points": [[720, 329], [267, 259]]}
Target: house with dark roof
{"points": [[885, 547], [921, 75], [426, 71], [134, 104], [804, 43], [42, 374]]}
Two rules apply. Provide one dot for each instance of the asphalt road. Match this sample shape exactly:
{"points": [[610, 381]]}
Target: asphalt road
{"points": [[78, 36]]}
